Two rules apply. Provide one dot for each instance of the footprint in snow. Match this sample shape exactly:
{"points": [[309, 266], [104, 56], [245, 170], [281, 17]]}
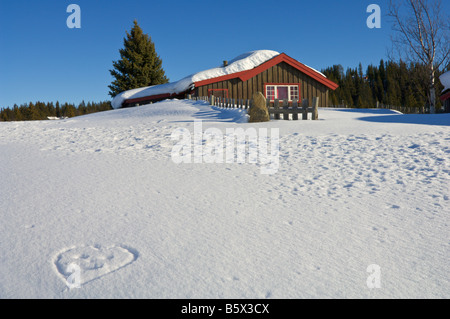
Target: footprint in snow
{"points": [[94, 262]]}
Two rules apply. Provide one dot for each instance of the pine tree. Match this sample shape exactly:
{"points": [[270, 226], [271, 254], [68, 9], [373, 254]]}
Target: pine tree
{"points": [[57, 109], [139, 65], [69, 110], [33, 112], [17, 114]]}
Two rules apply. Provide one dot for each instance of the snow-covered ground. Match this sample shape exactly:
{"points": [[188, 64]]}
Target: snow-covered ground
{"points": [[101, 191]]}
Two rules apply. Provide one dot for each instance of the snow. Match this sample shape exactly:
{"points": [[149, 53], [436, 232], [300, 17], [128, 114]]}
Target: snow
{"points": [[315, 70], [445, 80], [244, 62], [356, 188]]}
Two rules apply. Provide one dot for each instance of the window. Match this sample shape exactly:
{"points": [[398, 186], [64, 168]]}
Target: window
{"points": [[270, 92], [282, 91], [293, 92]]}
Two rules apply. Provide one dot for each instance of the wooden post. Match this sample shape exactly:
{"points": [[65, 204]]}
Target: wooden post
{"points": [[295, 110], [211, 100], [305, 109], [276, 106], [189, 97], [286, 109], [315, 106]]}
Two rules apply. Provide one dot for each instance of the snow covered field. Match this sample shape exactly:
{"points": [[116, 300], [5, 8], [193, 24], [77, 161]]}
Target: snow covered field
{"points": [[101, 191]]}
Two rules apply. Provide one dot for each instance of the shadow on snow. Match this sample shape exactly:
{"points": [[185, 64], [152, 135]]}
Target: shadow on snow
{"points": [[215, 114], [424, 119], [391, 116]]}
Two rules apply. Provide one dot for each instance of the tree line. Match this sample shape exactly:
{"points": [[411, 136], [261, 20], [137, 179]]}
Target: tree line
{"points": [[387, 84], [43, 111]]}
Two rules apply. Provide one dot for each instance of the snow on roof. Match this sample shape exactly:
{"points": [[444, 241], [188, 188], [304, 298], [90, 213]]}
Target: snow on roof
{"points": [[445, 80], [244, 62]]}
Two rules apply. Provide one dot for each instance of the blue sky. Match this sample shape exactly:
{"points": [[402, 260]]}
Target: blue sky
{"points": [[42, 59]]}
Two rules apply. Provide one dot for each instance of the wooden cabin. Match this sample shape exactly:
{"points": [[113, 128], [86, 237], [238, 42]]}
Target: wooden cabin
{"points": [[281, 77], [445, 98]]}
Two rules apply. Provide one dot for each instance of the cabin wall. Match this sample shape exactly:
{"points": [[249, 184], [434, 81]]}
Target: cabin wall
{"points": [[280, 73], [447, 106]]}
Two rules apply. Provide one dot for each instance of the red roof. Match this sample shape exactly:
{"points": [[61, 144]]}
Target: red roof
{"points": [[445, 96], [245, 75]]}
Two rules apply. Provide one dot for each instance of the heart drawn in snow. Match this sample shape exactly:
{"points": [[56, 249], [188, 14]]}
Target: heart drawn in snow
{"points": [[93, 261]]}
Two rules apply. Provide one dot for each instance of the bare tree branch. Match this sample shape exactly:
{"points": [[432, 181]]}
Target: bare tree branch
{"points": [[422, 35]]}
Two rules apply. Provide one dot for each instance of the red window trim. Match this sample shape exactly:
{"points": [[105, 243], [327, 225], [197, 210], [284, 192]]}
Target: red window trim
{"points": [[282, 84], [212, 90]]}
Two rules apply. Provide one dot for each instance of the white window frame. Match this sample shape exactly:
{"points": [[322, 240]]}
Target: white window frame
{"points": [[275, 86]]}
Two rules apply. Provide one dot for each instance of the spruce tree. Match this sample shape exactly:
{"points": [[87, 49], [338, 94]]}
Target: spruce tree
{"points": [[33, 112], [57, 109], [139, 65], [17, 114]]}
